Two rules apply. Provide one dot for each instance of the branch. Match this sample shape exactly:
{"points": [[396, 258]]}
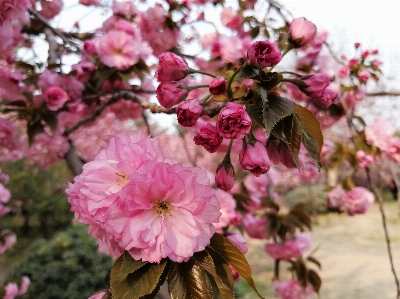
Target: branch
{"points": [[333, 54], [74, 162], [128, 95], [384, 94], [53, 46], [387, 238]]}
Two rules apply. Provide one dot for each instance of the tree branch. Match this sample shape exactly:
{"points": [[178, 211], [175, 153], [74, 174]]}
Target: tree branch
{"points": [[129, 95], [384, 94], [387, 238], [74, 162]]}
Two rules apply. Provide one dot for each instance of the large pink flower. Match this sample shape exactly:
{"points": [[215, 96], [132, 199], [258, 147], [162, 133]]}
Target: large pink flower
{"points": [[233, 121], [135, 200]]}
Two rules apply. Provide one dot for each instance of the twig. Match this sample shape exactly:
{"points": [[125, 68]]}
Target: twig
{"points": [[53, 46], [146, 122], [129, 95], [333, 54], [387, 238], [384, 94]]}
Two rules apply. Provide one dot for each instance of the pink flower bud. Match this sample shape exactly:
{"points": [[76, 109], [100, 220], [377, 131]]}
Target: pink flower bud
{"points": [[353, 62], [325, 98], [171, 68], [357, 45], [89, 47], [280, 153], [263, 53], [209, 138], [225, 176], [301, 32], [363, 76], [364, 159], [315, 84], [233, 121], [254, 158], [343, 72], [376, 63], [55, 97], [171, 94], [365, 54], [218, 86], [188, 112], [256, 227]]}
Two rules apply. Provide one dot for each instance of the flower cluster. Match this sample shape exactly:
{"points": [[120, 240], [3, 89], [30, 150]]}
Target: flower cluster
{"points": [[135, 199], [292, 289], [290, 248], [356, 201]]}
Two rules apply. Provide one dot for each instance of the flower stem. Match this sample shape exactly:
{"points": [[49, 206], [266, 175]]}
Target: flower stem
{"points": [[229, 91], [193, 71], [227, 158], [204, 100], [292, 73], [190, 88]]}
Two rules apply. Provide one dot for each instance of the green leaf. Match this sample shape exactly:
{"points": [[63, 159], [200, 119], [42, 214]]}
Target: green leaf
{"points": [[137, 284], [247, 72], [204, 260], [311, 133], [233, 256], [51, 120], [129, 265], [274, 108], [189, 281]]}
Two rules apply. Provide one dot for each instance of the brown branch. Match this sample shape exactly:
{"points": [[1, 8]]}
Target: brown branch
{"points": [[385, 229], [333, 54], [384, 94], [53, 46], [129, 95], [146, 122], [74, 162]]}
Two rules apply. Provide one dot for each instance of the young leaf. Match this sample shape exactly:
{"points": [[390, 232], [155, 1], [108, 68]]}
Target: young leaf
{"points": [[233, 256], [137, 284], [189, 281], [314, 279], [274, 108], [34, 129], [204, 260], [129, 265], [312, 134], [51, 120]]}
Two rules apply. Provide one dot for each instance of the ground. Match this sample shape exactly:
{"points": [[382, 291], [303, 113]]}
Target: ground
{"points": [[353, 254]]}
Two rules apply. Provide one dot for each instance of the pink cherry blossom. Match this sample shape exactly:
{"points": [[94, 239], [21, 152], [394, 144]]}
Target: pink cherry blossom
{"points": [[89, 47], [13, 9], [208, 137], [379, 132], [254, 158], [363, 76], [70, 84], [301, 32], [51, 8], [315, 84], [393, 150], [7, 240], [171, 94], [225, 176], [98, 295], [364, 159], [11, 290], [8, 135], [120, 50], [171, 68], [326, 97], [47, 150], [239, 241], [350, 98], [10, 88], [228, 209], [255, 227], [233, 121], [264, 53], [356, 201], [290, 248], [343, 72], [292, 289], [218, 86], [189, 112], [134, 200], [231, 19], [90, 2], [55, 98]]}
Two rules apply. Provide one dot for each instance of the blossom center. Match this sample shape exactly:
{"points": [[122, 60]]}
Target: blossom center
{"points": [[162, 207], [122, 178]]}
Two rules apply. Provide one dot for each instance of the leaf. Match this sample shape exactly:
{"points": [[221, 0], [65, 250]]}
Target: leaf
{"points": [[222, 269], [312, 134], [189, 281], [129, 265], [233, 256], [19, 103], [34, 129], [137, 284], [314, 261], [247, 72], [204, 260], [274, 108], [51, 120], [314, 279], [256, 112]]}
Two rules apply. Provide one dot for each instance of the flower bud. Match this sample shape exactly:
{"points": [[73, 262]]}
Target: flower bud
{"points": [[218, 86], [225, 176], [263, 53], [301, 32], [233, 121], [254, 158], [209, 138], [363, 76], [171, 94], [188, 112], [315, 84], [55, 98], [325, 98], [171, 68]]}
